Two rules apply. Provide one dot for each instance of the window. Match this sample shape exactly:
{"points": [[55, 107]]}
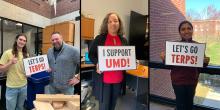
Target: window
{"points": [[10, 30], [38, 41], [207, 91], [208, 88], [31, 33]]}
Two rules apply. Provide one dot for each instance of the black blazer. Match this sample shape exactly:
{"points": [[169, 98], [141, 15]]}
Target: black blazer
{"points": [[93, 56]]}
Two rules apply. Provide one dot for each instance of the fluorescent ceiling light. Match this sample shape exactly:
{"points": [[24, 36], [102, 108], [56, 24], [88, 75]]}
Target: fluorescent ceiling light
{"points": [[18, 24]]}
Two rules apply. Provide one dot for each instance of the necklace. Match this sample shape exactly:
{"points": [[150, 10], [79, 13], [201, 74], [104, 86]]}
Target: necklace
{"points": [[114, 41]]}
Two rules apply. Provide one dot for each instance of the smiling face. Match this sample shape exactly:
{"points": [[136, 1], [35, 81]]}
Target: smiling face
{"points": [[21, 41], [56, 40], [113, 24], [186, 31]]}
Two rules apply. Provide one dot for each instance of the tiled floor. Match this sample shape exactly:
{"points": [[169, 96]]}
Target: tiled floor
{"points": [[127, 102]]}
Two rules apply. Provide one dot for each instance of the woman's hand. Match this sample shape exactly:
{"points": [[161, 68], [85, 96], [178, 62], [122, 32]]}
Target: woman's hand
{"points": [[13, 60], [206, 60], [137, 62], [97, 69], [162, 56]]}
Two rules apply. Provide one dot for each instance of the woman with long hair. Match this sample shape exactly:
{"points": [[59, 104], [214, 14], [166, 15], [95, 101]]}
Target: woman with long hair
{"points": [[108, 84], [11, 64]]}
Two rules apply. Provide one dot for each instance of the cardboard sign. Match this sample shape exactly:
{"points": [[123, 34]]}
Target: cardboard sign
{"points": [[112, 58], [185, 54], [36, 64]]}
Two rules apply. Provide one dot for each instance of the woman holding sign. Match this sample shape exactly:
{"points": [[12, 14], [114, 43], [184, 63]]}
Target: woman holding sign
{"points": [[185, 79], [11, 64], [108, 84]]}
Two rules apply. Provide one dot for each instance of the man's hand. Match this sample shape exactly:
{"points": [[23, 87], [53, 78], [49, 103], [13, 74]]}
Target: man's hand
{"points": [[97, 69], [49, 70], [73, 81]]}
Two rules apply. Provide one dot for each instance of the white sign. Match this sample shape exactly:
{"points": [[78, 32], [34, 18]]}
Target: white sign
{"points": [[112, 58], [35, 64], [185, 54]]}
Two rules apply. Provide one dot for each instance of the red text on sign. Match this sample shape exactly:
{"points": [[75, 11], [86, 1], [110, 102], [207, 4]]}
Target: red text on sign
{"points": [[184, 59], [38, 67], [117, 63]]}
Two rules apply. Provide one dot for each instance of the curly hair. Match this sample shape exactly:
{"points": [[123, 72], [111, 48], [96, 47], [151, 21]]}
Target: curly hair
{"points": [[104, 26]]}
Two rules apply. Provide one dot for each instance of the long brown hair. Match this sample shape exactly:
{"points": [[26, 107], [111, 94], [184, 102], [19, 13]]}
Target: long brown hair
{"points": [[15, 49], [104, 26]]}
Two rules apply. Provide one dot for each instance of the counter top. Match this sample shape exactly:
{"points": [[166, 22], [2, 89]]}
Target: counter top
{"points": [[87, 65], [141, 71]]}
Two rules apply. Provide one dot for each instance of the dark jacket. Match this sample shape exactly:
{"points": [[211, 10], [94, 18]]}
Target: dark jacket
{"points": [[93, 56]]}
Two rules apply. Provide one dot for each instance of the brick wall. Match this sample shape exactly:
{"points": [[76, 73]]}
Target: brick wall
{"points": [[206, 30], [66, 6], [42, 8], [36, 6], [165, 16]]}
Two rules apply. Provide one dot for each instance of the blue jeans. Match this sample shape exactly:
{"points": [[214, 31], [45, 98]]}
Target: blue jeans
{"points": [[67, 91], [15, 98]]}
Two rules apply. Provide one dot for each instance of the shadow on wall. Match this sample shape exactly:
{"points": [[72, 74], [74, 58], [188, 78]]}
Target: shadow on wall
{"points": [[165, 16]]}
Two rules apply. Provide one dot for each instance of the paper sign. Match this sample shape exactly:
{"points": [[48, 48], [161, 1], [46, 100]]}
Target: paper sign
{"points": [[36, 64], [185, 54], [112, 58]]}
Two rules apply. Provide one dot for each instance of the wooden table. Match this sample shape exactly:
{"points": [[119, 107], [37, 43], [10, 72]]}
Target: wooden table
{"points": [[87, 66], [138, 80], [141, 71]]}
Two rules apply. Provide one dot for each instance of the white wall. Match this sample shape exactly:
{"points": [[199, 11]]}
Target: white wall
{"points": [[97, 9], [140, 6], [77, 33], [13, 12]]}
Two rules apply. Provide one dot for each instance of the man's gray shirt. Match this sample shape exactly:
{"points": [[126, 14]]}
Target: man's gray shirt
{"points": [[64, 66]]}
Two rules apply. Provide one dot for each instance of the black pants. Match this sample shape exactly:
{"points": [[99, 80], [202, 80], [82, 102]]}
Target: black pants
{"points": [[110, 95], [184, 96], [3, 90]]}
